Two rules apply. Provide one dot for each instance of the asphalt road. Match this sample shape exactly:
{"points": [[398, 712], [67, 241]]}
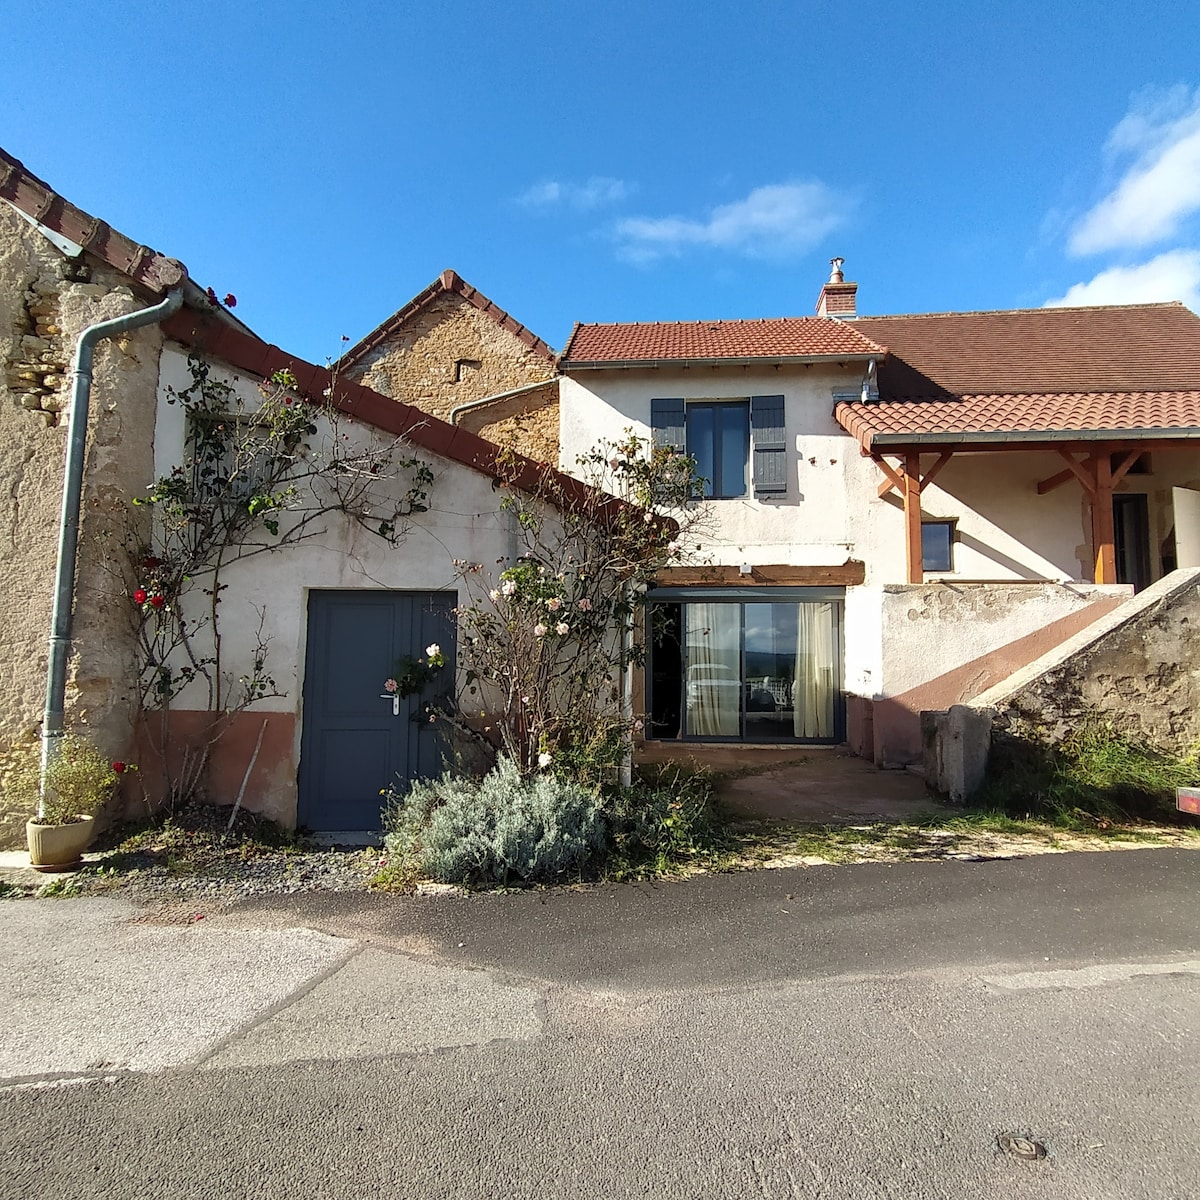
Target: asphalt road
{"points": [[833, 1032]]}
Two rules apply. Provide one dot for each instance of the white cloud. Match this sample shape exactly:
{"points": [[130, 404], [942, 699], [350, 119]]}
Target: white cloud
{"points": [[1160, 187], [774, 221], [1171, 276], [595, 192]]}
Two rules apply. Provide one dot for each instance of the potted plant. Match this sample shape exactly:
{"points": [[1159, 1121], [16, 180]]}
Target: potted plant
{"points": [[79, 781]]}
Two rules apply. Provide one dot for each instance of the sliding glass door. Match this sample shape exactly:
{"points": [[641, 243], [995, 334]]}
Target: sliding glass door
{"points": [[757, 671]]}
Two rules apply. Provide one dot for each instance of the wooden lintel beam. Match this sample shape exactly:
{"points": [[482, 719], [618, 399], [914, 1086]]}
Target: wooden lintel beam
{"points": [[943, 459]]}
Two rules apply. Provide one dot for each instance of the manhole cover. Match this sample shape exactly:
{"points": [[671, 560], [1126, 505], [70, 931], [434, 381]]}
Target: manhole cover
{"points": [[1021, 1147]]}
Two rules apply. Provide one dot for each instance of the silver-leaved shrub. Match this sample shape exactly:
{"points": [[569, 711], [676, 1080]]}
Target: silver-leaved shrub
{"points": [[500, 828]]}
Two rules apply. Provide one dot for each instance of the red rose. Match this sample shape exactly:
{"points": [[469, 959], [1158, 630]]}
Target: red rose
{"points": [[212, 296], [230, 300], [139, 596], [287, 399], [157, 601], [119, 767]]}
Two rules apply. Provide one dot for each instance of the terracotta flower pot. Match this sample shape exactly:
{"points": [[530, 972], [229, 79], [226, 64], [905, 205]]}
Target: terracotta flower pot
{"points": [[59, 847]]}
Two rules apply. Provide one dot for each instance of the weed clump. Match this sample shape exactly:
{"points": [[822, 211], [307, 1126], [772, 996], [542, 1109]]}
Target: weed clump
{"points": [[1095, 775]]}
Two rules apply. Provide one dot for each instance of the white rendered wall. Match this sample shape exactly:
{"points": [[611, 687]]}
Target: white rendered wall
{"points": [[463, 522], [831, 510]]}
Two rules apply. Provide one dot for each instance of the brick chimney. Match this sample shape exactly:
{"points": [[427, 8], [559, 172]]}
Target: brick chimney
{"points": [[837, 296]]}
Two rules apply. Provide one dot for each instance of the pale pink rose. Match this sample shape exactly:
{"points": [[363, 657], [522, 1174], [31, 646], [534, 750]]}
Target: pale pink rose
{"points": [[554, 604], [584, 605], [562, 627], [508, 587], [390, 685], [539, 630], [494, 594]]}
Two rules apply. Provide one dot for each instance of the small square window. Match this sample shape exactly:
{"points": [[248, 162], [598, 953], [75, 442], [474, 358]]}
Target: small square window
{"points": [[937, 545]]}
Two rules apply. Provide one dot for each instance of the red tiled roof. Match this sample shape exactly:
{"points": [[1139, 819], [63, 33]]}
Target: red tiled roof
{"points": [[38, 200], [251, 354], [795, 338], [1042, 416], [217, 332], [446, 282], [1048, 374], [1126, 348]]}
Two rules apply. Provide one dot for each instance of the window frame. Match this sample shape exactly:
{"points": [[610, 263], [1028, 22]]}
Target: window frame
{"points": [[951, 524], [720, 491], [742, 596]]}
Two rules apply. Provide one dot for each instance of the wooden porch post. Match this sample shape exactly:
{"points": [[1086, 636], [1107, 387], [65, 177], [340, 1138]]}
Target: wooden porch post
{"points": [[1103, 527], [912, 516]]}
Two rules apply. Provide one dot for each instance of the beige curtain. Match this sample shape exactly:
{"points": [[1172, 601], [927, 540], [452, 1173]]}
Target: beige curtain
{"points": [[714, 669], [813, 694]]}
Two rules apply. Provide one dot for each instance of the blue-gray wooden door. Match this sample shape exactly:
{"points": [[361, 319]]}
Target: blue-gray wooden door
{"points": [[353, 744]]}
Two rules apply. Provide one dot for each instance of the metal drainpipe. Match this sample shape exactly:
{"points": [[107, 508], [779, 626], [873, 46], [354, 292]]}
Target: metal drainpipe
{"points": [[68, 533]]}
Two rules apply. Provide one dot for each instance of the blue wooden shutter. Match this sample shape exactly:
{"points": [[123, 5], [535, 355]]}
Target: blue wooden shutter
{"points": [[770, 444], [667, 424]]}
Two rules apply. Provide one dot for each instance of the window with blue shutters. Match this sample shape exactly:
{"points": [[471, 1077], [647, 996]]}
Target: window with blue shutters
{"points": [[667, 424], [717, 434], [770, 444]]}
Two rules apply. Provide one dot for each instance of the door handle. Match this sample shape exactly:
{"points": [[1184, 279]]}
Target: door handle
{"points": [[394, 697]]}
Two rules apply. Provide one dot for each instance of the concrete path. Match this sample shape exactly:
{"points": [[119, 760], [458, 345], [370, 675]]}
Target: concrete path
{"points": [[821, 784], [93, 986]]}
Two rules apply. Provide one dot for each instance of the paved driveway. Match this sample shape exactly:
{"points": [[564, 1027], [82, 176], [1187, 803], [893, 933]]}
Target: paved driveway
{"points": [[836, 1032]]}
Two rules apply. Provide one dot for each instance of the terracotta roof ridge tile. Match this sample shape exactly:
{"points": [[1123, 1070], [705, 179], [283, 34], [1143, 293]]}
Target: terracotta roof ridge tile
{"points": [[704, 321], [1001, 312], [41, 203], [448, 282]]}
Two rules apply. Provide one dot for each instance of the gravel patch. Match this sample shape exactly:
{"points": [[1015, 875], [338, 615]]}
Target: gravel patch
{"points": [[187, 861]]}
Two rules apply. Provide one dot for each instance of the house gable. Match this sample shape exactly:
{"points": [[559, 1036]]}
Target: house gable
{"points": [[451, 348]]}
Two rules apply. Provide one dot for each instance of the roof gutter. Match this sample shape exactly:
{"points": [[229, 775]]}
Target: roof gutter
{"points": [[775, 360], [452, 419], [879, 441], [68, 534]]}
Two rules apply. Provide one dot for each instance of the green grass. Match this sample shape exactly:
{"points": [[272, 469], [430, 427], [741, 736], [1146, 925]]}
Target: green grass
{"points": [[970, 831], [1096, 778]]}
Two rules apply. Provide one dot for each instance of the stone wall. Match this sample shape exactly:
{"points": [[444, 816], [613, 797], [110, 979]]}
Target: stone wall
{"points": [[46, 300], [1138, 669], [528, 422], [449, 353]]}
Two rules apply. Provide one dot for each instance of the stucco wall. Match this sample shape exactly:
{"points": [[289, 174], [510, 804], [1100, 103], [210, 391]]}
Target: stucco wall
{"points": [[1014, 555], [831, 511], [420, 362], [920, 646], [463, 522], [45, 302]]}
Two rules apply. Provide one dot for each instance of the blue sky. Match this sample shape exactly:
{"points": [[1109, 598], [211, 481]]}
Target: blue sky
{"points": [[625, 160]]}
